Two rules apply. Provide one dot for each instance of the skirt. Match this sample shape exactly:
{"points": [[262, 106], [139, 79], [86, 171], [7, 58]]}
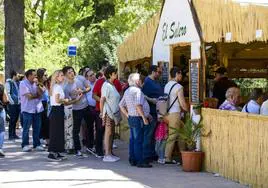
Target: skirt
{"points": [[107, 121], [56, 129]]}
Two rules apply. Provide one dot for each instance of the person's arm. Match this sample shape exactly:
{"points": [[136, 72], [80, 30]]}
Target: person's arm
{"points": [[96, 97], [87, 87], [102, 101], [5, 98], [8, 90], [139, 101], [95, 92], [67, 101], [122, 106], [141, 113], [182, 101], [151, 100]]}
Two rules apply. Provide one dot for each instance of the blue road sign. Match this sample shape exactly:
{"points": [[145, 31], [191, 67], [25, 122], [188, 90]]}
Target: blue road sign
{"points": [[71, 51]]}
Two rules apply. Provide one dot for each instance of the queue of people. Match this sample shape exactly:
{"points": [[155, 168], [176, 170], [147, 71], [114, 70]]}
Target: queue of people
{"points": [[96, 102]]}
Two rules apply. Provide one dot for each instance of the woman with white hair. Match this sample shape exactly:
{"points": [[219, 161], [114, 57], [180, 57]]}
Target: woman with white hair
{"points": [[135, 107], [232, 99]]}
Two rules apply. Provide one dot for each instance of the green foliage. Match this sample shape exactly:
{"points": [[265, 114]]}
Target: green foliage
{"points": [[100, 25], [101, 40], [40, 53], [189, 132]]}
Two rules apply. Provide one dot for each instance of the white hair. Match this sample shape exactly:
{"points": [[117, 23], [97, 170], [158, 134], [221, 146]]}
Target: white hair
{"points": [[133, 79]]}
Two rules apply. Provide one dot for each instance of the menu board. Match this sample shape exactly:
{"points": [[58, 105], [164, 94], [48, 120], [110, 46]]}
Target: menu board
{"points": [[194, 80], [165, 73]]}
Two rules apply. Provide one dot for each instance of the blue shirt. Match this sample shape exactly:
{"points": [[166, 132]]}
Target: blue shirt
{"points": [[152, 89]]}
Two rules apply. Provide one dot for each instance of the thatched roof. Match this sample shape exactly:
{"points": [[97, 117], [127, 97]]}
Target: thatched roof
{"points": [[216, 17], [139, 44]]}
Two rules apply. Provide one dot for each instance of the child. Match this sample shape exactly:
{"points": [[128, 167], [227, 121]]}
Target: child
{"points": [[161, 135]]}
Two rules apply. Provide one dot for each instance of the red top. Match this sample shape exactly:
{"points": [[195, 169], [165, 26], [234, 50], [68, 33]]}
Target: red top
{"points": [[117, 85], [98, 86]]}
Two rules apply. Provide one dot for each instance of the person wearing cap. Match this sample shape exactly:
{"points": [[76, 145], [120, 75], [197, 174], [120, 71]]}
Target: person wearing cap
{"points": [[222, 84]]}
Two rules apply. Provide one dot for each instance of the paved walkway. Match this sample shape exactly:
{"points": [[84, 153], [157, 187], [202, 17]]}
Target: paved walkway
{"points": [[20, 169]]}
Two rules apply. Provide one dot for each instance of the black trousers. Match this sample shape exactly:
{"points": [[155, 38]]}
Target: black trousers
{"points": [[99, 134], [56, 129], [14, 113], [78, 116], [44, 132]]}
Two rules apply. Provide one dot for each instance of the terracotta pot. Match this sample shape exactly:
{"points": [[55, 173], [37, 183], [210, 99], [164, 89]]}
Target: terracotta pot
{"points": [[192, 161]]}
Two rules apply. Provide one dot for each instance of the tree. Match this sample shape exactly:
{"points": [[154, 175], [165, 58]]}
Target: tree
{"points": [[14, 36]]}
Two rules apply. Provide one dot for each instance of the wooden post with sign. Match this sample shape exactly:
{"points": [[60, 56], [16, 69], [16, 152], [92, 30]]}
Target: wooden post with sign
{"points": [[194, 91]]}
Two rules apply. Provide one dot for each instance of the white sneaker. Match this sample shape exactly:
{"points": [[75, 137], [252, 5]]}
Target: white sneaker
{"points": [[117, 158], [114, 146], [39, 148], [43, 142], [2, 154], [161, 161], [26, 149], [80, 155], [109, 158]]}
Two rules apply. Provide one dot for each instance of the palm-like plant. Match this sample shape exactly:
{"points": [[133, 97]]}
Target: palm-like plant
{"points": [[189, 132]]}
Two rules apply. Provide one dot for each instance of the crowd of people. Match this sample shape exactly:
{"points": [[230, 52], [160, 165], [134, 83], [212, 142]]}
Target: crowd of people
{"points": [[95, 103]]}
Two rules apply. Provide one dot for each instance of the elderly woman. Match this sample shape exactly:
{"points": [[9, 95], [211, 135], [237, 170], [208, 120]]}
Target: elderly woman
{"points": [[135, 107], [232, 99]]}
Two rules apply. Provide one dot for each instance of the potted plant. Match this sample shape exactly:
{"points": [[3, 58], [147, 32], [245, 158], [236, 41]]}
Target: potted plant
{"points": [[191, 159]]}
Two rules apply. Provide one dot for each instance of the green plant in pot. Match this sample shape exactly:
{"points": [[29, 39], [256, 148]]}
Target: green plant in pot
{"points": [[192, 130]]}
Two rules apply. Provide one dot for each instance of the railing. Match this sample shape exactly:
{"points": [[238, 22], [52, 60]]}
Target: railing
{"points": [[237, 147]]}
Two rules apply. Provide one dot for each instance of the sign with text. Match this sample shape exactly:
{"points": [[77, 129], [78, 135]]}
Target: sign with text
{"points": [[72, 50], [176, 23], [194, 81]]}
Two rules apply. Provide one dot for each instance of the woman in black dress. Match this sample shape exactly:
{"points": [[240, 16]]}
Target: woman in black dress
{"points": [[56, 117]]}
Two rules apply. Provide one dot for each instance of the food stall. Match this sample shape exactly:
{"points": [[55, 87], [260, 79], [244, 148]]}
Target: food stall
{"points": [[199, 34]]}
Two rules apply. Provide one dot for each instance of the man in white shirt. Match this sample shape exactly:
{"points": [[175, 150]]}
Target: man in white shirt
{"points": [[176, 102], [254, 105], [264, 106]]}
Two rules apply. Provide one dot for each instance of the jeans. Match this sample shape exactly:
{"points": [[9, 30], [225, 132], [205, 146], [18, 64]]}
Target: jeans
{"points": [[28, 120], [14, 113], [160, 146], [149, 142], [2, 127], [136, 147], [78, 116]]}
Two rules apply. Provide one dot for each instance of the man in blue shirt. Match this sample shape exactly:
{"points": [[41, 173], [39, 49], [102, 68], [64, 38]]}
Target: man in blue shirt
{"points": [[151, 89]]}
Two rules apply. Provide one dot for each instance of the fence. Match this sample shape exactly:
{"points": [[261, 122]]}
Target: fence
{"points": [[237, 147]]}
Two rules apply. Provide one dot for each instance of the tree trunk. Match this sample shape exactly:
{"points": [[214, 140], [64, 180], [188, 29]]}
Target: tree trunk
{"points": [[14, 36]]}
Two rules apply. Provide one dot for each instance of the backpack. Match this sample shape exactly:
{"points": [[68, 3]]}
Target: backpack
{"points": [[162, 105]]}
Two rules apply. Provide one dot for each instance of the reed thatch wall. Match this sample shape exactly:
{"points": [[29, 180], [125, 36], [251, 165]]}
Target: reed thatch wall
{"points": [[139, 44], [237, 147], [218, 17]]}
